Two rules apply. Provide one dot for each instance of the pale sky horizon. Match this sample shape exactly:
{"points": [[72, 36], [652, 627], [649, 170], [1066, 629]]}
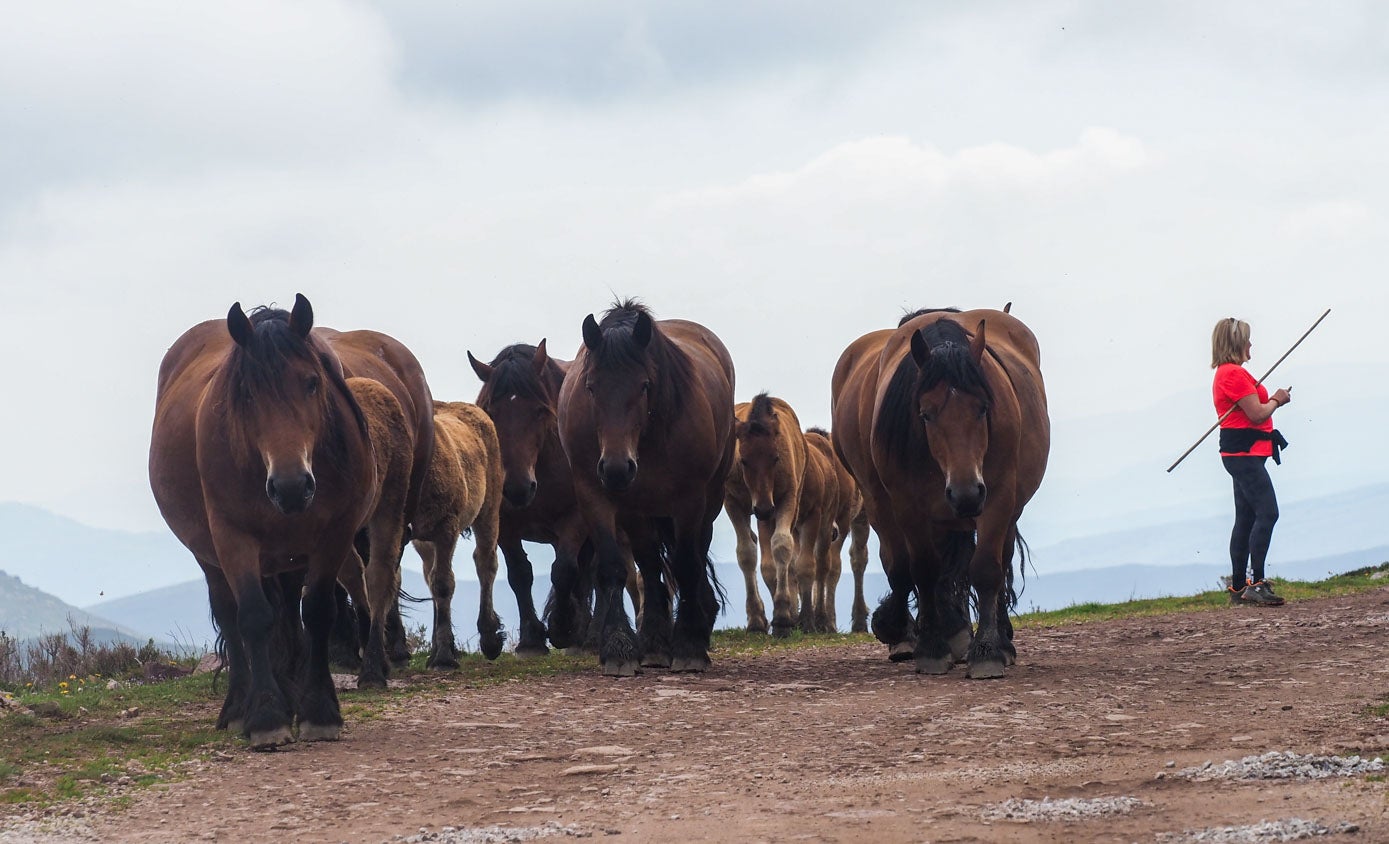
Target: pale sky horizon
{"points": [[792, 175]]}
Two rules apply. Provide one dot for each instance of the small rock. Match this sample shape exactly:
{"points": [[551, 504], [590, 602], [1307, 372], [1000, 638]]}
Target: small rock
{"points": [[579, 770], [209, 663]]}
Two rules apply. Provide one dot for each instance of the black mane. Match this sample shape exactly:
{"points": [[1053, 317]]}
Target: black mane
{"points": [[513, 374], [914, 314], [672, 374], [897, 425], [760, 415]]}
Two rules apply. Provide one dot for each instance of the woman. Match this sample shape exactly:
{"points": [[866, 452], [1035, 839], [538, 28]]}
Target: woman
{"points": [[1247, 440]]}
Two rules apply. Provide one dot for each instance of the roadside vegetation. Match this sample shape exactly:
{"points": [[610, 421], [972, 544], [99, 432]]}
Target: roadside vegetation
{"points": [[99, 721]]}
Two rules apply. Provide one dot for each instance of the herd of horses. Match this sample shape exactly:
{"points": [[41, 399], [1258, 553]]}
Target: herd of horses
{"points": [[295, 462]]}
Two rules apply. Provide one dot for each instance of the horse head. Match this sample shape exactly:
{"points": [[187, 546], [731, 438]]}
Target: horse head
{"points": [[279, 378], [621, 378], [953, 400], [760, 444], [516, 393]]}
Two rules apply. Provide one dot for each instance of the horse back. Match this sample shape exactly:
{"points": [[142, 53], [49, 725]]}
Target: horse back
{"points": [[465, 475]]}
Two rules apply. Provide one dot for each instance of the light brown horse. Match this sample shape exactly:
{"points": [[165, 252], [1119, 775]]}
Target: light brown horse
{"points": [[767, 482], [848, 520], [261, 464], [646, 420], [463, 492], [373, 588], [943, 422]]}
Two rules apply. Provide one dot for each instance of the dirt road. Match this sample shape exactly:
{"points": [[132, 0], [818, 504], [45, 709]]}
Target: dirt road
{"points": [[836, 743]]}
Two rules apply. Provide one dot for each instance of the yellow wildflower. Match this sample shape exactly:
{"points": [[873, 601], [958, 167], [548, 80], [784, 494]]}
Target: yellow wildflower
{"points": [[63, 684]]}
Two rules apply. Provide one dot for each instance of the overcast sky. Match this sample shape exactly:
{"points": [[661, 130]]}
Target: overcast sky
{"points": [[792, 174]]}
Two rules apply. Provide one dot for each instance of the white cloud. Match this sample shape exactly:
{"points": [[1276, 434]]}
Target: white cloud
{"points": [[1332, 219]]}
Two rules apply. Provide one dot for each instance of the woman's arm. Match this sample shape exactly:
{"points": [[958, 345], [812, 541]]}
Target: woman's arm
{"points": [[1258, 411]]}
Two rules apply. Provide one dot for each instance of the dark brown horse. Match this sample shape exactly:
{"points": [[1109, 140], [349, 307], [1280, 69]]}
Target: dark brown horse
{"points": [[646, 420], [520, 392], [261, 464], [943, 422]]}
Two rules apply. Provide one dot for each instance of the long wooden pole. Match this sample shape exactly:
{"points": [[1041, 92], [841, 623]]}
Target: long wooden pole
{"points": [[1260, 381]]}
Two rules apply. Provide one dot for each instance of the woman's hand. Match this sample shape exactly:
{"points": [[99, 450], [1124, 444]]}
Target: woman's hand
{"points": [[1282, 396]]}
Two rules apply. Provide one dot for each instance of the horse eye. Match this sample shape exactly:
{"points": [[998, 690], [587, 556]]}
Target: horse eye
{"points": [[589, 388], [776, 458], [312, 386], [646, 387]]}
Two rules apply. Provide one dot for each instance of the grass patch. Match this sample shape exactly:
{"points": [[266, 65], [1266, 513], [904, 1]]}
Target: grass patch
{"points": [[1359, 580]]}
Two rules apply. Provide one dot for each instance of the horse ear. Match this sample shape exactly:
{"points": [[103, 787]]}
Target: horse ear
{"points": [[641, 332], [976, 346], [541, 358], [1007, 307], [483, 370], [238, 326], [301, 318], [593, 337], [920, 351]]}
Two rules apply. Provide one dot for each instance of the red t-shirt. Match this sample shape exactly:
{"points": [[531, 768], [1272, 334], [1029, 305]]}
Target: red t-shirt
{"points": [[1232, 383]]}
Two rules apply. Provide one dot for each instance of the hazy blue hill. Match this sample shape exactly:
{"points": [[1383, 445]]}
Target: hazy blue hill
{"points": [[26, 612], [82, 564]]}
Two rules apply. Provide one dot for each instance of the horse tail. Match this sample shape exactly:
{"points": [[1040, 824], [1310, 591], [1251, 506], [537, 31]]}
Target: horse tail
{"points": [[402, 595], [665, 532], [1024, 557]]}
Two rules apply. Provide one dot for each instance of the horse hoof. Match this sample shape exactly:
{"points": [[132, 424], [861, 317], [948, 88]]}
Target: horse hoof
{"points": [[934, 665], [988, 669], [757, 627], [901, 652], [859, 627], [236, 727], [270, 739], [320, 732], [959, 645], [371, 682], [781, 631], [621, 668], [689, 665], [655, 661], [443, 663], [528, 651]]}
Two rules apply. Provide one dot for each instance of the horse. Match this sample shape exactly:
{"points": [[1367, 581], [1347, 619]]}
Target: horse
{"points": [[261, 464], [943, 422], [848, 521], [520, 393], [382, 358], [462, 492], [772, 481], [646, 421], [374, 587]]}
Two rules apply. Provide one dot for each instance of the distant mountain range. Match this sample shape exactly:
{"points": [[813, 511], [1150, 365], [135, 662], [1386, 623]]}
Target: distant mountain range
{"points": [[147, 584], [26, 613]]}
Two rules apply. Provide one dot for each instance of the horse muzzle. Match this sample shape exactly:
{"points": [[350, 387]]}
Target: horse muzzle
{"points": [[292, 493], [616, 475], [966, 499]]}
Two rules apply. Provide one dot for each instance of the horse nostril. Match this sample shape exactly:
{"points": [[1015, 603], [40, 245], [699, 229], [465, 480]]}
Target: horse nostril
{"points": [[270, 488], [532, 487], [309, 484], [631, 467]]}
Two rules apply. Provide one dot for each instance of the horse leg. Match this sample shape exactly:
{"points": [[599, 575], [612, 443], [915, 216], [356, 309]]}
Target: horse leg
{"points": [[858, 564], [892, 624], [783, 556], [803, 573], [693, 621], [437, 558], [287, 639], [352, 581], [654, 630], [489, 624], [520, 576], [320, 718], [952, 594], [223, 603], [932, 652], [567, 612], [747, 562], [345, 641], [988, 654], [618, 652], [268, 716], [828, 568]]}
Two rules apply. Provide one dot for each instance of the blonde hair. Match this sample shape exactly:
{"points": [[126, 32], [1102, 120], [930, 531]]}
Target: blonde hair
{"points": [[1228, 341]]}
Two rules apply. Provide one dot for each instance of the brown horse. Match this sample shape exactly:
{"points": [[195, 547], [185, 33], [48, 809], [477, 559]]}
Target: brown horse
{"points": [[382, 358], [463, 492], [850, 525], [261, 465], [646, 420], [844, 506], [768, 481], [943, 422], [373, 588]]}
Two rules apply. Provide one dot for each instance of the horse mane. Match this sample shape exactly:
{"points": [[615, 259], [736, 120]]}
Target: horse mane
{"points": [[914, 314], [950, 361], [513, 374], [620, 351], [816, 429], [255, 369], [760, 421]]}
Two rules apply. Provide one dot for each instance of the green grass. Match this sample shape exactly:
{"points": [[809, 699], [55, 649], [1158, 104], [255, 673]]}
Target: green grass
{"points": [[83, 738]]}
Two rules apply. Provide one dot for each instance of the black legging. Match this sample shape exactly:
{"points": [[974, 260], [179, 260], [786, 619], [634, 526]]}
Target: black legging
{"points": [[1256, 511]]}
